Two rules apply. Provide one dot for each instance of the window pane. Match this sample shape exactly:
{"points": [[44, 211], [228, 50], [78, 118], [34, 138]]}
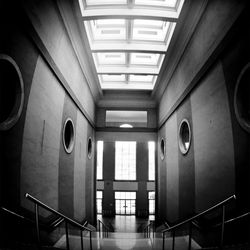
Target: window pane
{"points": [[151, 202], [125, 160], [99, 159], [110, 58], [161, 3], [150, 30], [99, 194], [151, 160]]}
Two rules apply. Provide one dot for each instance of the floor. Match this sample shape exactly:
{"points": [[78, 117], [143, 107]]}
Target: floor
{"points": [[127, 235], [125, 224]]}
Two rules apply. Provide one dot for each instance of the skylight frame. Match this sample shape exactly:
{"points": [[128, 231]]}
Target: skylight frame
{"points": [[135, 17]]}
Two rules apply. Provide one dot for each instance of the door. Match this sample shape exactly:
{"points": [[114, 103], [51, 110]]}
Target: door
{"points": [[125, 203]]}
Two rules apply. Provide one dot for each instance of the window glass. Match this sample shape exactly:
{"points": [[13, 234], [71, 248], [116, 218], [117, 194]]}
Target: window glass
{"points": [[151, 160], [125, 160], [99, 160]]}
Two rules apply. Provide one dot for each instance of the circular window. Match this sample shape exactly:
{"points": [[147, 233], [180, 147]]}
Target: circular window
{"points": [[90, 147], [68, 135], [162, 148], [11, 92], [184, 136], [241, 98]]}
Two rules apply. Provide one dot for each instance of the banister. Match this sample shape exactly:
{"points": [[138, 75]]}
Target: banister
{"points": [[17, 215], [233, 219], [147, 230], [66, 219], [233, 197], [41, 204], [106, 231], [190, 221]]}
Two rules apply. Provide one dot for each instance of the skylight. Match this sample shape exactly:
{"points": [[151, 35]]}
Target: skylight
{"points": [[129, 39]]}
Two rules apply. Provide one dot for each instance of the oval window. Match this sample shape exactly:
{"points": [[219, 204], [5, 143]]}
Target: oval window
{"points": [[162, 148], [184, 136], [11, 92], [90, 147], [68, 135], [241, 98]]}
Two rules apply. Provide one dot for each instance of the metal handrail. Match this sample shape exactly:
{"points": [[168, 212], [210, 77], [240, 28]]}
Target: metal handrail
{"points": [[65, 218], [52, 225], [16, 215], [105, 232], [147, 230], [233, 219], [190, 220]]}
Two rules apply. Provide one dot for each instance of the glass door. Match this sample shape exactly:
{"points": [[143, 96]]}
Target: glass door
{"points": [[125, 203]]}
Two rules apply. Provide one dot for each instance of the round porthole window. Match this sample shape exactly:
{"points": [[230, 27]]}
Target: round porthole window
{"points": [[162, 148], [90, 147], [68, 135], [241, 98], [184, 136], [11, 92]]}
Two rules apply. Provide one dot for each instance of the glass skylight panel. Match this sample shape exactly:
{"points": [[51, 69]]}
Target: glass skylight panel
{"points": [[153, 30], [146, 59], [127, 86], [109, 29], [105, 2], [110, 58], [160, 3], [141, 78], [113, 78], [116, 43], [102, 23]]}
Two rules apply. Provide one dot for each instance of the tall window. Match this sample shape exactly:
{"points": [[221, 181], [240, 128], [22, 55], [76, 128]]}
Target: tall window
{"points": [[151, 160], [99, 175], [151, 202], [99, 201], [125, 160]]}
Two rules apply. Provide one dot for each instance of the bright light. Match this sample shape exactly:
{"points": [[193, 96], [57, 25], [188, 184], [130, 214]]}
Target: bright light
{"points": [[126, 126]]}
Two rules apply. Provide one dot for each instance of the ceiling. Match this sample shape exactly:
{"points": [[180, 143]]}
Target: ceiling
{"points": [[129, 40]]}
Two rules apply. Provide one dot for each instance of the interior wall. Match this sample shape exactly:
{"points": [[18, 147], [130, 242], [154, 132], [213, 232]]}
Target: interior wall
{"points": [[33, 158], [216, 163]]}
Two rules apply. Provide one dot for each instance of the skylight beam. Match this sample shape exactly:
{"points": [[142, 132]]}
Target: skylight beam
{"points": [[132, 47], [128, 70], [126, 13]]}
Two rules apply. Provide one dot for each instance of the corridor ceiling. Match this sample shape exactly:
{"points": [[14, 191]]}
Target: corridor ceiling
{"points": [[129, 39]]}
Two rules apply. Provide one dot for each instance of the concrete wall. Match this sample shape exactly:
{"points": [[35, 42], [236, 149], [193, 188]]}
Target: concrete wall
{"points": [[140, 186], [215, 165], [32, 157]]}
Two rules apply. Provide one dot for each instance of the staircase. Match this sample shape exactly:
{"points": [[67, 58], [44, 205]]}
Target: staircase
{"points": [[74, 236], [116, 241]]}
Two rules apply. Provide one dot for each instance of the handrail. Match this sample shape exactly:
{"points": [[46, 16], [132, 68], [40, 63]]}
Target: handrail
{"points": [[65, 218], [28, 196], [17, 215], [233, 219], [105, 233], [190, 220], [200, 214], [52, 225], [147, 230]]}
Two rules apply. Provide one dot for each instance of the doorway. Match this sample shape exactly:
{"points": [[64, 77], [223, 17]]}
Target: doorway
{"points": [[125, 203]]}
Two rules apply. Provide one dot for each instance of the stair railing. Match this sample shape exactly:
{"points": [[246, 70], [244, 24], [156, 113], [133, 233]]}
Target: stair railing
{"points": [[105, 230], [66, 219], [190, 221], [147, 230]]}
